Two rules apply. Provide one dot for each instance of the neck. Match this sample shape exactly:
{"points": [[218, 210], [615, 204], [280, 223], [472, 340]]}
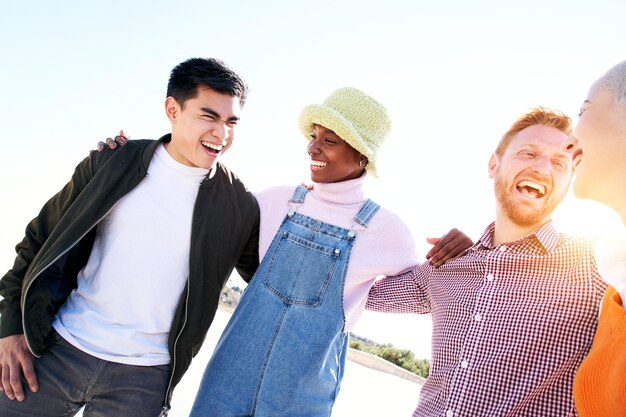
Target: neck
{"points": [[617, 200], [344, 192], [507, 231]]}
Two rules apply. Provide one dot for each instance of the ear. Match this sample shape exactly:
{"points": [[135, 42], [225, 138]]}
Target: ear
{"points": [[493, 164], [171, 109]]}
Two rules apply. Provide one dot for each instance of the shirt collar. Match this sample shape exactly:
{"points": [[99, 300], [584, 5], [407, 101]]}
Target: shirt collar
{"points": [[546, 236]]}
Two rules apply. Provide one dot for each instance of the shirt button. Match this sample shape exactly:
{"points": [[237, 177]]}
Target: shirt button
{"points": [[464, 364], [502, 248], [490, 277], [449, 413], [290, 213], [351, 233], [478, 317], [336, 251]]}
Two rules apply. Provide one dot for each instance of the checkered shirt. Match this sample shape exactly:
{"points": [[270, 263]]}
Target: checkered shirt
{"points": [[511, 324]]}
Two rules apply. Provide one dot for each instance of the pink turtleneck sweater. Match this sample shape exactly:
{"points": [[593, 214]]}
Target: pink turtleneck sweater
{"points": [[385, 247]]}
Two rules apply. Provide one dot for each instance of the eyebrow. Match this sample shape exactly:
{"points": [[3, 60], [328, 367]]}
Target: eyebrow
{"points": [[217, 115]]}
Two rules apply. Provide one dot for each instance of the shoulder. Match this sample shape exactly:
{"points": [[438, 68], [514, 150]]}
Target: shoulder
{"points": [[581, 246], [390, 229], [272, 199], [227, 176], [232, 185], [577, 254], [281, 192], [133, 148], [385, 218]]}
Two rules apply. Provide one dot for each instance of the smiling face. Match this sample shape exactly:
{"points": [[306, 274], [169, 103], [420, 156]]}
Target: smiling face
{"points": [[203, 128], [598, 145], [532, 175], [332, 159]]}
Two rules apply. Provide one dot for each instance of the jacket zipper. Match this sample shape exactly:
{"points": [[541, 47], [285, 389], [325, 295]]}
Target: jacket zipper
{"points": [[57, 258], [43, 269], [166, 406]]}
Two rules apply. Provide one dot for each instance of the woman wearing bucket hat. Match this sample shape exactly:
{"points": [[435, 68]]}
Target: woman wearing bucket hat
{"points": [[284, 349]]}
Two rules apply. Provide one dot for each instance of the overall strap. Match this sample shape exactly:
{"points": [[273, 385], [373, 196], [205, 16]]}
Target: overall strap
{"points": [[299, 194], [368, 209]]}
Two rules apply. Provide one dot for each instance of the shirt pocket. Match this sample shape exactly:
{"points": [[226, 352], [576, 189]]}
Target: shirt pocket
{"points": [[300, 270]]}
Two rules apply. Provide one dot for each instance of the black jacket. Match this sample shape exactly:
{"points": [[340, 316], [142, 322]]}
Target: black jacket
{"points": [[58, 242]]}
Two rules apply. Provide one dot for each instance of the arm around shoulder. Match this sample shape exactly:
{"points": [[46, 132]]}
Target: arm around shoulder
{"points": [[404, 293]]}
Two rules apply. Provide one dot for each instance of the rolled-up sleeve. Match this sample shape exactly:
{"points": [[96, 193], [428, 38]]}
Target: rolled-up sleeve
{"points": [[404, 293]]}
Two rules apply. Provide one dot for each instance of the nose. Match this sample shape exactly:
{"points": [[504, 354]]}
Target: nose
{"points": [[542, 165], [313, 148], [221, 131], [571, 144]]}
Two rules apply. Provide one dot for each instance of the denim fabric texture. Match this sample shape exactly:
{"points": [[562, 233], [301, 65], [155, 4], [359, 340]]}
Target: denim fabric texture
{"points": [[283, 351], [70, 379]]}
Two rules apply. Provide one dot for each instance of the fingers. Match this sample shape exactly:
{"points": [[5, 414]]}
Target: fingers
{"points": [[11, 385], [120, 140], [29, 373], [1, 379], [449, 246], [432, 241], [15, 383], [15, 357], [111, 143], [445, 253]]}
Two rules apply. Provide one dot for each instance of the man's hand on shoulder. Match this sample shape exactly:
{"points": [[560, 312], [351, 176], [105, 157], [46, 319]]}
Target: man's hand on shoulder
{"points": [[15, 358]]}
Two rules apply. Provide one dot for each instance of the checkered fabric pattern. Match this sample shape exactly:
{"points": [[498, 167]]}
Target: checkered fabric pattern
{"points": [[511, 324]]}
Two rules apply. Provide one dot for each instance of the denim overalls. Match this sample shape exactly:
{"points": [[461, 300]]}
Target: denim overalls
{"points": [[284, 349]]}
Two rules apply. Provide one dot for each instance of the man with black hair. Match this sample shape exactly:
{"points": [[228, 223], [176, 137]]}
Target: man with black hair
{"points": [[87, 322]]}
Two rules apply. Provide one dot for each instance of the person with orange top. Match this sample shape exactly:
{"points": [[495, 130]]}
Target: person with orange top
{"points": [[598, 147]]}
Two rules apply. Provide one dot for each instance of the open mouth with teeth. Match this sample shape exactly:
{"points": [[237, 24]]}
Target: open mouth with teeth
{"points": [[531, 189], [317, 164], [212, 148]]}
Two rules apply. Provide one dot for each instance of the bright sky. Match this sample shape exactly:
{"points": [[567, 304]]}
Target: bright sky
{"points": [[453, 75]]}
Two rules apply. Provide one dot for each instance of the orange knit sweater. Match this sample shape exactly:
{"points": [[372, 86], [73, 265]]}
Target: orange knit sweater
{"points": [[600, 384]]}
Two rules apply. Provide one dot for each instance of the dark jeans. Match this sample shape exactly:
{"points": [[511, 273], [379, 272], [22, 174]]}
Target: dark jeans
{"points": [[70, 379]]}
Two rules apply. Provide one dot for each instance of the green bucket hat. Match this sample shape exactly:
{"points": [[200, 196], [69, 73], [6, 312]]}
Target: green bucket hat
{"points": [[355, 117]]}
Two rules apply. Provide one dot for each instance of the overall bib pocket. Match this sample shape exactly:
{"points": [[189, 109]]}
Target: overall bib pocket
{"points": [[284, 279]]}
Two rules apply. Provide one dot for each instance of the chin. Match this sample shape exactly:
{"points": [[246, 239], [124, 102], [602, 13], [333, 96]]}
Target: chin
{"points": [[315, 177]]}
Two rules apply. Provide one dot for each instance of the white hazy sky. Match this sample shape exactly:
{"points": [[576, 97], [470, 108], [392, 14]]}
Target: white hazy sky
{"points": [[453, 75]]}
